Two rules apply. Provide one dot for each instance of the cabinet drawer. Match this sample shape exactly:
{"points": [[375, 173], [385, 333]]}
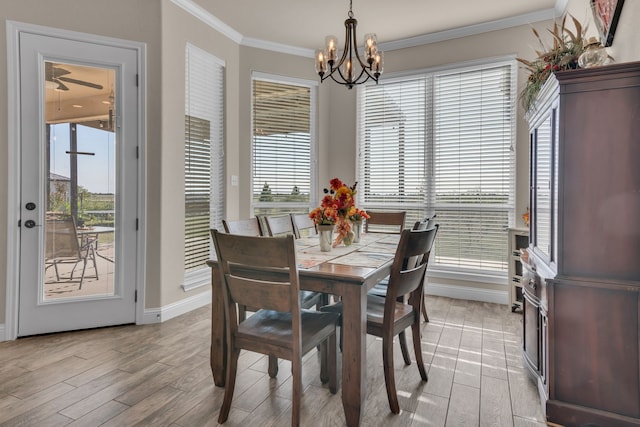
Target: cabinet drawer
{"points": [[531, 281]]}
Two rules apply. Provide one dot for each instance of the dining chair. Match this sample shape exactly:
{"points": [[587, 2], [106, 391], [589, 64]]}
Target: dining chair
{"points": [[380, 288], [385, 222], [64, 246], [308, 299], [389, 316], [303, 226], [245, 227], [262, 272], [279, 225]]}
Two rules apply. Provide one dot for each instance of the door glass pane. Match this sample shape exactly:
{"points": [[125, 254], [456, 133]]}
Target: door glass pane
{"points": [[80, 190]]}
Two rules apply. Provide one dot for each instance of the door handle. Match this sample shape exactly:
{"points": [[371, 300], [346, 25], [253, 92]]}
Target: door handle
{"points": [[29, 223]]}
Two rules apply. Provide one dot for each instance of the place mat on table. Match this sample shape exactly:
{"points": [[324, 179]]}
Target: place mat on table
{"points": [[310, 256], [363, 259], [390, 239], [308, 259], [307, 241]]}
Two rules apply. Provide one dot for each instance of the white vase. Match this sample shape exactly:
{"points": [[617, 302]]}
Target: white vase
{"points": [[357, 230], [325, 234]]}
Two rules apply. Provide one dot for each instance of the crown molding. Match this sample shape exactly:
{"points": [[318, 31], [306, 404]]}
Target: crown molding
{"points": [[209, 19], [471, 30], [277, 47]]}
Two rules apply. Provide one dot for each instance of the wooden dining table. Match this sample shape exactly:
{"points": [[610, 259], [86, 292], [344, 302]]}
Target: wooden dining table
{"points": [[347, 271]]}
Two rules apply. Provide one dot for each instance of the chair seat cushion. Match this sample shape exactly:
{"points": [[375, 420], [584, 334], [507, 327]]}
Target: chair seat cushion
{"points": [[274, 327]]}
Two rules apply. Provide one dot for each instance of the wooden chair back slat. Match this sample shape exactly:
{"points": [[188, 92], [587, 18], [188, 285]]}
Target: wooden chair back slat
{"points": [[259, 293], [303, 226], [385, 222], [279, 225], [245, 227]]}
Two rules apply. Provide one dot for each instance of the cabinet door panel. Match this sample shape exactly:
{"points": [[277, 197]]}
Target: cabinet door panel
{"points": [[596, 347], [601, 183], [530, 338]]}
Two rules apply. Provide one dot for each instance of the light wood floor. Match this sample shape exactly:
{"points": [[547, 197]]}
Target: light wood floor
{"points": [[158, 375]]}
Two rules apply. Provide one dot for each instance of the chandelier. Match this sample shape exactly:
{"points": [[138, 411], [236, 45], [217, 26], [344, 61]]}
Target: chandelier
{"points": [[342, 71]]}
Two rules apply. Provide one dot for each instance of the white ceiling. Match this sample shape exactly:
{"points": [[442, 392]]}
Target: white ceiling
{"points": [[305, 23]]}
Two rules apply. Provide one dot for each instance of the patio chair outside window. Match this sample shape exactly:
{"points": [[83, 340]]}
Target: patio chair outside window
{"points": [[64, 247]]}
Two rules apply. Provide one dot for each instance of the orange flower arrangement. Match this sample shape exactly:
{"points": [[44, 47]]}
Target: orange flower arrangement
{"points": [[338, 206]]}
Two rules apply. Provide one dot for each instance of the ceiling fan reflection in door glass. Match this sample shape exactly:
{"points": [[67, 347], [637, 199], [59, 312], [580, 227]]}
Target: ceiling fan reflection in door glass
{"points": [[55, 74]]}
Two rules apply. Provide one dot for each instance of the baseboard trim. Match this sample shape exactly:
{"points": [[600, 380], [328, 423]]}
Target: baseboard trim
{"points": [[3, 336], [162, 314], [468, 293]]}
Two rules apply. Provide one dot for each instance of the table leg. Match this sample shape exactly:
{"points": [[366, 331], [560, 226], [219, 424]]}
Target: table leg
{"points": [[354, 353], [218, 357]]}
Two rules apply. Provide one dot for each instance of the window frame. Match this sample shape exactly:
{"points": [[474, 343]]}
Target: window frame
{"points": [[428, 206], [312, 85]]}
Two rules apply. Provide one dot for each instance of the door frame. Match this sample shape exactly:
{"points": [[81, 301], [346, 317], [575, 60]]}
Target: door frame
{"points": [[14, 29]]}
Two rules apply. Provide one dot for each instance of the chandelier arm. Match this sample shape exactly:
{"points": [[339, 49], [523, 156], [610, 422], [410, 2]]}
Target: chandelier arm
{"points": [[345, 82], [347, 43], [354, 41]]}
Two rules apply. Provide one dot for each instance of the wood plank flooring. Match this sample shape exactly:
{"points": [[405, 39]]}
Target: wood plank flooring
{"points": [[159, 375]]}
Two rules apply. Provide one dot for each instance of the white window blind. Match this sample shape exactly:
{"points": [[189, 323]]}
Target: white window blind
{"points": [[283, 145], [393, 131], [204, 157], [440, 142]]}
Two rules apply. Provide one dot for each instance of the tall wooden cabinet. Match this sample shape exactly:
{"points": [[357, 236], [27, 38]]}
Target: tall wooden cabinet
{"points": [[581, 281]]}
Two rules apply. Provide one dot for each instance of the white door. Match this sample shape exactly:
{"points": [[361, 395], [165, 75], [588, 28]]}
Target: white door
{"points": [[79, 183]]}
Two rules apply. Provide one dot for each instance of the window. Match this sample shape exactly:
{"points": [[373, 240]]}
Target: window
{"points": [[441, 142], [283, 145], [203, 161]]}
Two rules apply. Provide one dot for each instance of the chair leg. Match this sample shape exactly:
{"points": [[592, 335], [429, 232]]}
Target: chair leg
{"points": [[273, 366], [296, 374], [324, 354], [389, 376], [230, 384], [55, 266], [329, 363], [332, 362], [93, 257], [417, 348], [84, 268], [73, 270], [424, 312], [404, 349]]}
